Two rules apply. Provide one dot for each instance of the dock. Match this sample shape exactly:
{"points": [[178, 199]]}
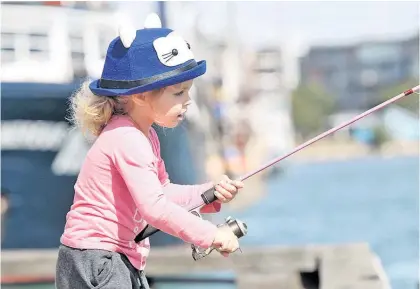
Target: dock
{"points": [[341, 266]]}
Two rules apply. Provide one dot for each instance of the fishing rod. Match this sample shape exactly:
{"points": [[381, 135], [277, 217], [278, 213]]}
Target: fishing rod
{"points": [[240, 228], [332, 130]]}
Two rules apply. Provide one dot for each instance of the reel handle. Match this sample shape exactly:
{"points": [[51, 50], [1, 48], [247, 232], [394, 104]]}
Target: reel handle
{"points": [[238, 228]]}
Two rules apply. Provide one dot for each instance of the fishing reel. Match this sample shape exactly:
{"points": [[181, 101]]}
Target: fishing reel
{"points": [[238, 228]]}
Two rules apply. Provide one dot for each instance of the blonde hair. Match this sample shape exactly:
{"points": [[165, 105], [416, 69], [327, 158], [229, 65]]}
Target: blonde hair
{"points": [[90, 112]]}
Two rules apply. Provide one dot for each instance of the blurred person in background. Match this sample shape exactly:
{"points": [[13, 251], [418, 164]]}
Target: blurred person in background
{"points": [[241, 139], [123, 184], [5, 205]]}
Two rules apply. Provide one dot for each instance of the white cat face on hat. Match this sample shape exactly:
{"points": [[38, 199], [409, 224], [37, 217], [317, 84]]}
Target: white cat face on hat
{"points": [[172, 50]]}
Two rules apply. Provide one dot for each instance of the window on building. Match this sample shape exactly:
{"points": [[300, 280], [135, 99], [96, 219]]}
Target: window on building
{"points": [[7, 48], [377, 53], [105, 35], [33, 46], [78, 55], [38, 46]]}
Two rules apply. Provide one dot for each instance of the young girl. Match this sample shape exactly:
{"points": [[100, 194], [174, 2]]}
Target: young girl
{"points": [[123, 184]]}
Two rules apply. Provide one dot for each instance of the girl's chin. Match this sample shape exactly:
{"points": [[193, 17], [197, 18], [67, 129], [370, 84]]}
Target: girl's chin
{"points": [[174, 123]]}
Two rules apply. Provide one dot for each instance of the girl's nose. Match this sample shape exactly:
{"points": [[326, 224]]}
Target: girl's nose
{"points": [[188, 102]]}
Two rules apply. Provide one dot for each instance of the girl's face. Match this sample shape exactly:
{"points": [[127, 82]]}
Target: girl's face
{"points": [[170, 106]]}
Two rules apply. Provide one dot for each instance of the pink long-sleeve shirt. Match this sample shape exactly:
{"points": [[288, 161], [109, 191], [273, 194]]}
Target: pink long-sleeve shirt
{"points": [[123, 186]]}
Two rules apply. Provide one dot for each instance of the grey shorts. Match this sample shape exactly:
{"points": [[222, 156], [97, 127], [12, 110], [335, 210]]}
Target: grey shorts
{"points": [[94, 269]]}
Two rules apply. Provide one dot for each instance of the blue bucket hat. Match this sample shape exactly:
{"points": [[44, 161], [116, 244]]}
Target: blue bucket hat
{"points": [[145, 60]]}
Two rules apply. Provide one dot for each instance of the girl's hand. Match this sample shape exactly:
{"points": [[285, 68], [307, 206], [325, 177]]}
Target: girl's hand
{"points": [[225, 241], [226, 189]]}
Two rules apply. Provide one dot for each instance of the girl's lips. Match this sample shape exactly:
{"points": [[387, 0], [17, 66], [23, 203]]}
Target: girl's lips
{"points": [[182, 114]]}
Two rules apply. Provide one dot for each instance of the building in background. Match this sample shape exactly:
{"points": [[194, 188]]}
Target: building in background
{"points": [[270, 109], [356, 73]]}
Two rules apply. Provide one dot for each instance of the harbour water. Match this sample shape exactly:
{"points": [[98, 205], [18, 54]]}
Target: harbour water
{"points": [[374, 200]]}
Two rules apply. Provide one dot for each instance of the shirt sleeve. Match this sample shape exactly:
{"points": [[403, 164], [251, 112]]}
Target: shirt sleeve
{"points": [[187, 196], [136, 163]]}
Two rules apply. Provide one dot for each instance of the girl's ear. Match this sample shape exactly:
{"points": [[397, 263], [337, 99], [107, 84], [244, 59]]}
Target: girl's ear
{"points": [[145, 99], [139, 99]]}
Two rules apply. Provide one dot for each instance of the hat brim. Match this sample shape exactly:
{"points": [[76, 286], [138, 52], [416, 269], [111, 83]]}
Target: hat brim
{"points": [[197, 71]]}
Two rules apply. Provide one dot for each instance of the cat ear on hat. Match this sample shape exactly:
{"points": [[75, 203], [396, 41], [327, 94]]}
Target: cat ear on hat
{"points": [[127, 33], [152, 21]]}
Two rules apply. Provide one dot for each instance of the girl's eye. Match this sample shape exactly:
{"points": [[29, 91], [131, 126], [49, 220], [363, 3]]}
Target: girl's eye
{"points": [[179, 93]]}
